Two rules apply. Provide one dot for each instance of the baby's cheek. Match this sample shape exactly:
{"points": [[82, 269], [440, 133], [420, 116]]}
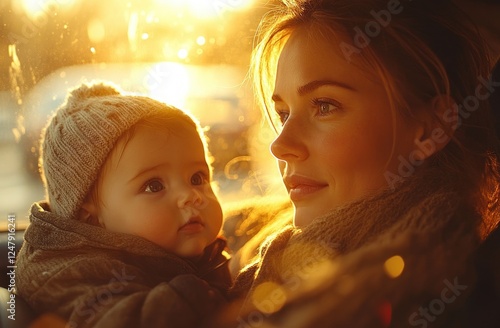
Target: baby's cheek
{"points": [[215, 218]]}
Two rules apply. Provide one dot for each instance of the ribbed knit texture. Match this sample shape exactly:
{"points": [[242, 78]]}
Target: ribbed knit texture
{"points": [[79, 137]]}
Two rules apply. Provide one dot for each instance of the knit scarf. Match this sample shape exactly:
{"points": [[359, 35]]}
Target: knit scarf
{"points": [[423, 206]]}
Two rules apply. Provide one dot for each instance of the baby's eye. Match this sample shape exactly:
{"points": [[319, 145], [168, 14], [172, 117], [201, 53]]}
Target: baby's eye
{"points": [[154, 186], [198, 179]]}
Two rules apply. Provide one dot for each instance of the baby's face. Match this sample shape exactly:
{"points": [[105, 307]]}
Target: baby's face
{"points": [[158, 187]]}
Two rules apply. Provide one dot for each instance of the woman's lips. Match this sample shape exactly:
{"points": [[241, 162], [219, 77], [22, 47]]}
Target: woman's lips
{"points": [[194, 225], [300, 187]]}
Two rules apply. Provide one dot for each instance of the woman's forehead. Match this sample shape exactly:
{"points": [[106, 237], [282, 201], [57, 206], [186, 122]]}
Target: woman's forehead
{"points": [[332, 39], [307, 57]]}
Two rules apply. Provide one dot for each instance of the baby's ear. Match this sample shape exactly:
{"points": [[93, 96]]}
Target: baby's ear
{"points": [[88, 213]]}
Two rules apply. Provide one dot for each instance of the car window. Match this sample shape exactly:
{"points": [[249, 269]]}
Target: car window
{"points": [[192, 54]]}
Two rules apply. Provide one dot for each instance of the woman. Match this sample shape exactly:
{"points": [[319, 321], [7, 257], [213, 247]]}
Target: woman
{"points": [[387, 152]]}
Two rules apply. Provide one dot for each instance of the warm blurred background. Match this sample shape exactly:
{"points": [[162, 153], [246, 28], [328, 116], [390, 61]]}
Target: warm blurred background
{"points": [[191, 53]]}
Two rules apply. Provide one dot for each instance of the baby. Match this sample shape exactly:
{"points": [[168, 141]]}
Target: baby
{"points": [[128, 235]]}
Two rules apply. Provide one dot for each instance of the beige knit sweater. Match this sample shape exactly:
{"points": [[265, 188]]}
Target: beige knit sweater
{"points": [[401, 258]]}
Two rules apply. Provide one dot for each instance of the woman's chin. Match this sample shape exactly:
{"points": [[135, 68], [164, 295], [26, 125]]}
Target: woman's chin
{"points": [[305, 215]]}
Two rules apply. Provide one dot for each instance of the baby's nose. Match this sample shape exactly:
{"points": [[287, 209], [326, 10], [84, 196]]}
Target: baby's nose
{"points": [[191, 197]]}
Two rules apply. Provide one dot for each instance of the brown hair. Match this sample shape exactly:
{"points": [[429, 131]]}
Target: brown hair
{"points": [[419, 50]]}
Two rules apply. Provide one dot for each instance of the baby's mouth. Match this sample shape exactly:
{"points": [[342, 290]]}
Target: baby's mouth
{"points": [[193, 225]]}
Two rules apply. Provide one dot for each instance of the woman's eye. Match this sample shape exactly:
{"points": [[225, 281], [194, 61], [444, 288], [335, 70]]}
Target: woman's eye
{"points": [[283, 116], [154, 186], [198, 179], [325, 107]]}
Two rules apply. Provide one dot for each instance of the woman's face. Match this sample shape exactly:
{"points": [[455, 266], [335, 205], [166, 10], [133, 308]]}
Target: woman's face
{"points": [[336, 141]]}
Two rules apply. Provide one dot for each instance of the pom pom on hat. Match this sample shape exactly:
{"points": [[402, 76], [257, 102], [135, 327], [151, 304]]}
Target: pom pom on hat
{"points": [[79, 137]]}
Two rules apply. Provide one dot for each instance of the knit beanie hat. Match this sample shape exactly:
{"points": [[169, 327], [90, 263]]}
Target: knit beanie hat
{"points": [[79, 137]]}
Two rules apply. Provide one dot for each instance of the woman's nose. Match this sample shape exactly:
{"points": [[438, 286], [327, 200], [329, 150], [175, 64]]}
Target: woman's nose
{"points": [[288, 145], [191, 196]]}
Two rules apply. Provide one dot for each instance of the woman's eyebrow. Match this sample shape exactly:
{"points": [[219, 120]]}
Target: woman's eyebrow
{"points": [[313, 85]]}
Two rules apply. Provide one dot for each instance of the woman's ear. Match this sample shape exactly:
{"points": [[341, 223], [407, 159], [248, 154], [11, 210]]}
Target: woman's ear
{"points": [[438, 120]]}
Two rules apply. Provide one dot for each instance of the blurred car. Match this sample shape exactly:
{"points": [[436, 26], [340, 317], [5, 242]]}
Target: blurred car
{"points": [[217, 95]]}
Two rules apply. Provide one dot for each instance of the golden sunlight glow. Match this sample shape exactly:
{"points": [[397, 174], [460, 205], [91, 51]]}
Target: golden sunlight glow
{"points": [[207, 9], [201, 40], [394, 266], [96, 31], [38, 8], [268, 297], [32, 7], [151, 18], [169, 83], [132, 29], [182, 53]]}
